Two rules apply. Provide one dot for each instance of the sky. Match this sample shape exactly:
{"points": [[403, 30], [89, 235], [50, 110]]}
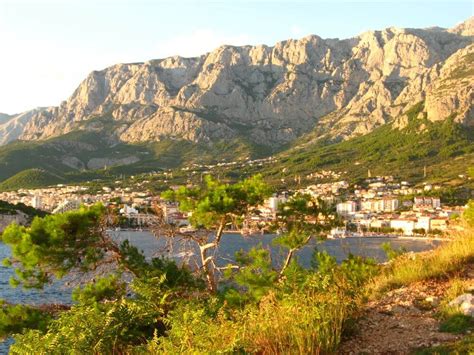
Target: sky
{"points": [[47, 47]]}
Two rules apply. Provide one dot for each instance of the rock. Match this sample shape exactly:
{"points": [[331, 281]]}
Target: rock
{"points": [[433, 300], [6, 219], [99, 163], [343, 88], [465, 303]]}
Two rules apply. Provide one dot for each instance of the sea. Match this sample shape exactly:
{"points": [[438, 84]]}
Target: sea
{"points": [[185, 252]]}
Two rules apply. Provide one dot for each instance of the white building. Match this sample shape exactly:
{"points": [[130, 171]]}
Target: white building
{"points": [[273, 202], [36, 202], [345, 208], [406, 225], [427, 202], [389, 204], [382, 205], [127, 210], [67, 205], [423, 222]]}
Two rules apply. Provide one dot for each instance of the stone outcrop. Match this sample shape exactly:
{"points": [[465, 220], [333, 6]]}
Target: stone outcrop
{"points": [[272, 94], [18, 217], [14, 127]]}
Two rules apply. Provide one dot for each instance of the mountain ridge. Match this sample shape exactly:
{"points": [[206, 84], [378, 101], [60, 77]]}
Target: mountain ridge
{"points": [[274, 93], [249, 100]]}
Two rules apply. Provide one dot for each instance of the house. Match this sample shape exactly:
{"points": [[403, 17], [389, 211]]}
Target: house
{"points": [[406, 225], [439, 223], [423, 222]]}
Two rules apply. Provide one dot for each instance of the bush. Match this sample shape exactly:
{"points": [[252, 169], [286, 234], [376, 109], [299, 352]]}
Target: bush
{"points": [[17, 318], [457, 323]]}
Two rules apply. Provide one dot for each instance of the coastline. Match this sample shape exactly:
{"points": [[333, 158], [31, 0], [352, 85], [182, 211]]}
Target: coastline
{"points": [[391, 236]]}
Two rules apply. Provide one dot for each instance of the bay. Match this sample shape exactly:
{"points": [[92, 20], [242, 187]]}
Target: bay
{"points": [[58, 292]]}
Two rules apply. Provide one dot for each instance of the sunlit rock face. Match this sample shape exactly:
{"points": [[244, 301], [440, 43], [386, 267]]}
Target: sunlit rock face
{"points": [[272, 95]]}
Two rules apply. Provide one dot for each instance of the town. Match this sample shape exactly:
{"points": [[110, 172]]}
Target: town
{"points": [[379, 206]]}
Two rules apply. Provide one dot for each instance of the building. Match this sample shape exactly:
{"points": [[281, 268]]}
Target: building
{"points": [[406, 225], [379, 223], [128, 211], [36, 202], [389, 204], [439, 223], [273, 202], [386, 204], [67, 205], [169, 210], [345, 208], [426, 202], [423, 223]]}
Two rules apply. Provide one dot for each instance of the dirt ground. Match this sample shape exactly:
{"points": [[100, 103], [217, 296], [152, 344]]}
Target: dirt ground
{"points": [[403, 320]]}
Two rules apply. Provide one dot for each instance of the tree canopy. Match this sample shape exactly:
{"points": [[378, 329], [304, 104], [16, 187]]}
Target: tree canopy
{"points": [[138, 304]]}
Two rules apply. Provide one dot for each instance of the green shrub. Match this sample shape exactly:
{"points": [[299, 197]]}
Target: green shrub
{"points": [[17, 318], [457, 323]]}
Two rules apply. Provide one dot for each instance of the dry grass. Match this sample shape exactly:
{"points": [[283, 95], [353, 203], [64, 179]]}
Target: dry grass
{"points": [[301, 325], [441, 262]]}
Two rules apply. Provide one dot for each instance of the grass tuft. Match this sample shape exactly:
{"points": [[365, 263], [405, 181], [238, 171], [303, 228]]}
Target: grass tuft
{"points": [[441, 262]]}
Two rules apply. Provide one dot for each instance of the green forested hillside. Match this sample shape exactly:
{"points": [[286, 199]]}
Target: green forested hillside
{"points": [[31, 178], [445, 148], [9, 208], [84, 155]]}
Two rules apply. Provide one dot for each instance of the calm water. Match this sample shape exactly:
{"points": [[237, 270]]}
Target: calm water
{"points": [[231, 243]]}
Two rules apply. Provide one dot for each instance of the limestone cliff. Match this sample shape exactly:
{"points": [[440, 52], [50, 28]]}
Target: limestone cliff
{"points": [[272, 95]]}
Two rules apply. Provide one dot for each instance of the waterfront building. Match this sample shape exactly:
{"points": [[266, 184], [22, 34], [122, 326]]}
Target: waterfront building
{"points": [[423, 222], [421, 203], [406, 225]]}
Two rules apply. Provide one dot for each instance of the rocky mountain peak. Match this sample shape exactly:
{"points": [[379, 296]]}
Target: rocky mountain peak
{"points": [[272, 94], [465, 28]]}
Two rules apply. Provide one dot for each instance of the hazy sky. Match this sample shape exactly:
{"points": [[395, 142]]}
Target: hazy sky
{"points": [[48, 47]]}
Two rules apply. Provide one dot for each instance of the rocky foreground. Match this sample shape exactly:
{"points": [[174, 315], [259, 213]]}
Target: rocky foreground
{"points": [[407, 319]]}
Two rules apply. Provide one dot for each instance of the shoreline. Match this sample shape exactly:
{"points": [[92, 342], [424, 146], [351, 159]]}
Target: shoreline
{"points": [[390, 236]]}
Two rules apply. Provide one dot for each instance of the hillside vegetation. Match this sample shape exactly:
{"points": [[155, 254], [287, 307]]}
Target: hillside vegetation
{"points": [[9, 208], [254, 305], [31, 178], [84, 155], [445, 148]]}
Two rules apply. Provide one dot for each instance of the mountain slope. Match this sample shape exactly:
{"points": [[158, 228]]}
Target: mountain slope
{"points": [[446, 148], [390, 100], [86, 154], [4, 118], [31, 178], [13, 127], [268, 94]]}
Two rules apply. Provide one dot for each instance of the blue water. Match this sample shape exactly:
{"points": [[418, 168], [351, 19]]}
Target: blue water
{"points": [[58, 292]]}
